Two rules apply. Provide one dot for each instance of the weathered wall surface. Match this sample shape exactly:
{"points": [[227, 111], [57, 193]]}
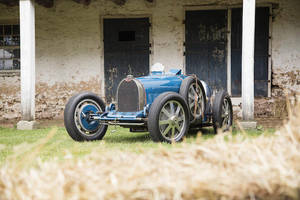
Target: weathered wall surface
{"points": [[10, 96], [285, 59], [69, 49], [286, 47]]}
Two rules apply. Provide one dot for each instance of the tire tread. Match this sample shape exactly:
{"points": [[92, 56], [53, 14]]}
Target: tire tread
{"points": [[154, 115], [69, 116]]}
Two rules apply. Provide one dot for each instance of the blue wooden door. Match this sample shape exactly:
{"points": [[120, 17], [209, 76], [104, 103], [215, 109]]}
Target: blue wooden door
{"points": [[126, 51], [261, 52], [205, 45]]}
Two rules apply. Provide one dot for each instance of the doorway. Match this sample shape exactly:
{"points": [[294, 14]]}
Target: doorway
{"points": [[126, 51], [205, 46]]}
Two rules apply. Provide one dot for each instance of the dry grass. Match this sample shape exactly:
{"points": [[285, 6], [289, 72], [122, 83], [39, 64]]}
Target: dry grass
{"points": [[232, 168]]}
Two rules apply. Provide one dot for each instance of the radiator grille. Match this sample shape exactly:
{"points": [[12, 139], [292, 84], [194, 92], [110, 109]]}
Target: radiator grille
{"points": [[128, 96]]}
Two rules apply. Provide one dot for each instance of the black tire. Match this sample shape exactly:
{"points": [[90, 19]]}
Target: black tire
{"points": [[74, 129], [179, 120], [185, 90], [219, 114]]}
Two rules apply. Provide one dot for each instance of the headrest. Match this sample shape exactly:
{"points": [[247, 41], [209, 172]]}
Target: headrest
{"points": [[157, 67]]}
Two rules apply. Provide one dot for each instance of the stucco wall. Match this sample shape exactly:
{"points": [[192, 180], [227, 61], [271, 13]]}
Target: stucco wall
{"points": [[69, 48], [286, 46]]}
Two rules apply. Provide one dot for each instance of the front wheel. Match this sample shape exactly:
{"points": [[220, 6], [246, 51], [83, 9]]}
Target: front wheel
{"points": [[76, 117], [222, 112], [168, 118]]}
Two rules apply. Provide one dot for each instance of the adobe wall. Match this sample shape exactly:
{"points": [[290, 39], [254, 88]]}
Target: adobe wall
{"points": [[69, 50]]}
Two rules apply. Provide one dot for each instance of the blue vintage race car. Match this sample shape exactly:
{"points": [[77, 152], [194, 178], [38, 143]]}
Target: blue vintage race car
{"points": [[165, 104]]}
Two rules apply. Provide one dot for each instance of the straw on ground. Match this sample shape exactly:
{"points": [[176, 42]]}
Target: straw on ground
{"points": [[222, 167]]}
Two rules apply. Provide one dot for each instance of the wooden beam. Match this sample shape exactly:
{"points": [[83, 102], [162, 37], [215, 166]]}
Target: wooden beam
{"points": [[10, 2], [84, 2], [50, 3], [119, 2], [45, 3]]}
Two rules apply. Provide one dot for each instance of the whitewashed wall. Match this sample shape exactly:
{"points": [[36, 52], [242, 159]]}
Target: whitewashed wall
{"points": [[286, 46], [69, 48]]}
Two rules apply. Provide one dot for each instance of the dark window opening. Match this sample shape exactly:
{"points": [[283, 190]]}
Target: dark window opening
{"points": [[9, 47], [126, 36]]}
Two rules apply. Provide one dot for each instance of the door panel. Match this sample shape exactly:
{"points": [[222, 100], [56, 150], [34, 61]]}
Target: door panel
{"points": [[206, 46], [126, 51], [260, 55]]}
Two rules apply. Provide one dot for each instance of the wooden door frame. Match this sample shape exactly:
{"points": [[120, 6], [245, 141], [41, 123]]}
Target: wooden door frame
{"points": [[102, 18], [235, 100]]}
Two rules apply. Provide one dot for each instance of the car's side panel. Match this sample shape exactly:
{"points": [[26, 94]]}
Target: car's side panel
{"points": [[157, 84]]}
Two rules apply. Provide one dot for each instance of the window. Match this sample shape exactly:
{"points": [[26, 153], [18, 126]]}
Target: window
{"points": [[9, 47]]}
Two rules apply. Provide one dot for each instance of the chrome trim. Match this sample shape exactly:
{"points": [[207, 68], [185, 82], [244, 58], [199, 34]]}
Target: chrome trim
{"points": [[128, 124], [123, 124]]}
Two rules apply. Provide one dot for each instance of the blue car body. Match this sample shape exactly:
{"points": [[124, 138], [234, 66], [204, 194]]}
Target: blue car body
{"points": [[154, 85]]}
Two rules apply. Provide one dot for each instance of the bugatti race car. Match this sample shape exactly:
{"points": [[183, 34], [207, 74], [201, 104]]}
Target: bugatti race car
{"points": [[166, 104]]}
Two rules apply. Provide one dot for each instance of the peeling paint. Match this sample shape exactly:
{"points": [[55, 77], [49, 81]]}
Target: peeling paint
{"points": [[218, 54], [285, 82], [50, 100]]}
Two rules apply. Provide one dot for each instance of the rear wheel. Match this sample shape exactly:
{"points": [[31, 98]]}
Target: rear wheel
{"points": [[192, 91], [168, 118], [76, 117], [222, 112]]}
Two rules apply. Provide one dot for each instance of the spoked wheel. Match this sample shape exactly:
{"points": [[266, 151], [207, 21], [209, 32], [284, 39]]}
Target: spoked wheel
{"points": [[196, 101], [226, 112], [77, 119], [194, 95], [168, 118], [171, 120], [222, 112]]}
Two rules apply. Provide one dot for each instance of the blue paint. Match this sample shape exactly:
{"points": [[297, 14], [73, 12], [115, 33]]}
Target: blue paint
{"points": [[87, 124], [122, 116], [155, 85], [175, 71]]}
